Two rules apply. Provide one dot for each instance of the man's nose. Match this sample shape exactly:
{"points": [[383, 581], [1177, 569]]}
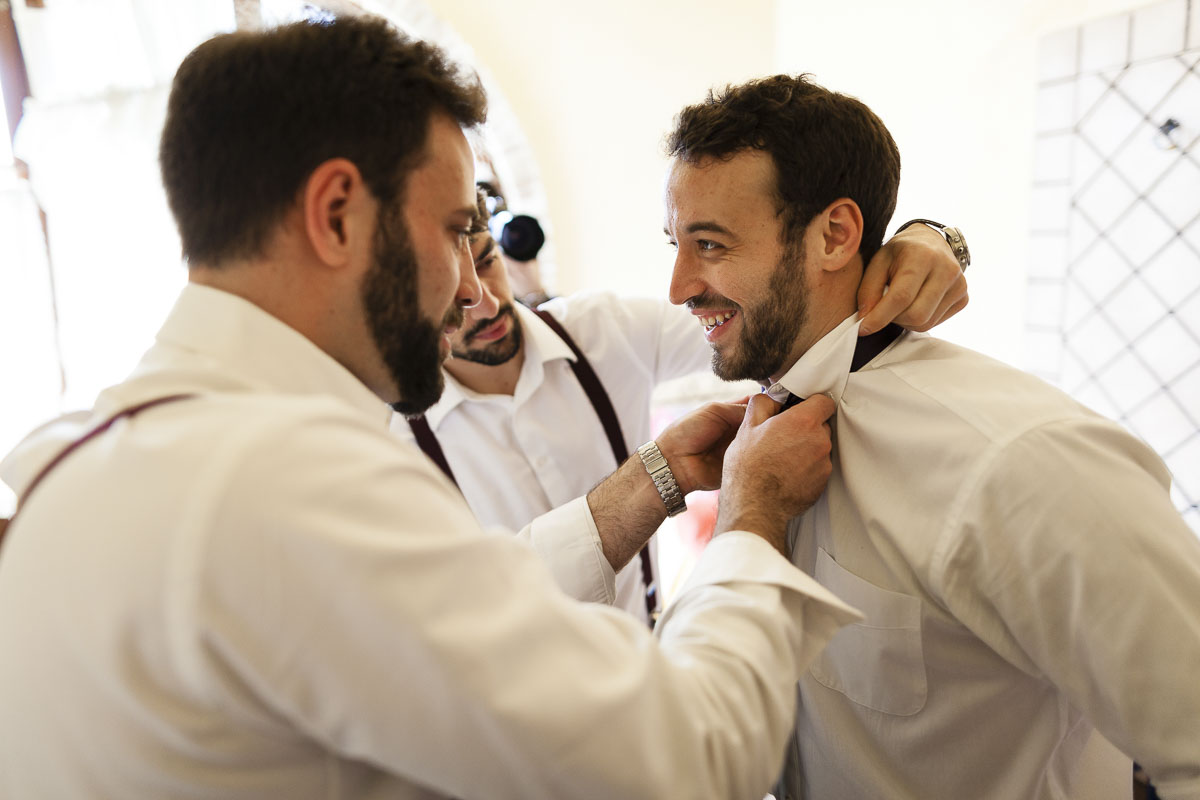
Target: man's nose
{"points": [[685, 279], [489, 303], [469, 290]]}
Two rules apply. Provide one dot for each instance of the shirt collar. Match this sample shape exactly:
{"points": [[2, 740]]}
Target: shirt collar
{"points": [[542, 345], [824, 368], [251, 347]]}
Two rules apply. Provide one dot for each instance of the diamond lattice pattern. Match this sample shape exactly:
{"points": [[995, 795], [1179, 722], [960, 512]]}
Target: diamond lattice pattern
{"points": [[1113, 312]]}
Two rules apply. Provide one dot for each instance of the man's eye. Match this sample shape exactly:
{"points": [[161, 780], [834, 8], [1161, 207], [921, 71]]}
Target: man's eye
{"points": [[706, 244], [485, 263], [672, 244]]}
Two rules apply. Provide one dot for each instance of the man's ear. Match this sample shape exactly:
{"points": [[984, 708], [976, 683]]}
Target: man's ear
{"points": [[841, 230], [338, 211]]}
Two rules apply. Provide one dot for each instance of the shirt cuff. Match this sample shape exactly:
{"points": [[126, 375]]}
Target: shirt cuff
{"points": [[741, 556], [568, 542]]}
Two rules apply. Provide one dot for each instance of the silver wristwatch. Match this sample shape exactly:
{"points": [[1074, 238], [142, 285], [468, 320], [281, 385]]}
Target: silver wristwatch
{"points": [[953, 236], [664, 479]]}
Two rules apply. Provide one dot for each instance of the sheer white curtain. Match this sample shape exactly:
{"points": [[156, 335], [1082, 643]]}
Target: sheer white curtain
{"points": [[99, 72], [29, 371]]}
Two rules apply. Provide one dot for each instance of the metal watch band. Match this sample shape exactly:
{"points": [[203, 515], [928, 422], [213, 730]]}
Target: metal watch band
{"points": [[664, 479], [953, 236]]}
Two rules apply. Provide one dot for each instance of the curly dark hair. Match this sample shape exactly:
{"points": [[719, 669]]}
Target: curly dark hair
{"points": [[824, 146], [251, 115]]}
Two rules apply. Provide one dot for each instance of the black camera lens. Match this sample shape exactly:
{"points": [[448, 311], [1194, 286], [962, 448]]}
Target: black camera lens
{"points": [[522, 237]]}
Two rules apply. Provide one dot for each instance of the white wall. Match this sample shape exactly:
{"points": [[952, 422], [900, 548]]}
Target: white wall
{"points": [[595, 86], [954, 81]]}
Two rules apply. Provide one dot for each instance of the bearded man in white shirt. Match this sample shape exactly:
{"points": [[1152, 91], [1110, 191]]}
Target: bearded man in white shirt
{"points": [[521, 431], [229, 580], [1029, 590]]}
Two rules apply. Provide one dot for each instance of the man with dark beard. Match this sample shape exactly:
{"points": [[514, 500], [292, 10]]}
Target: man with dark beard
{"points": [[229, 580], [1030, 593], [521, 429]]}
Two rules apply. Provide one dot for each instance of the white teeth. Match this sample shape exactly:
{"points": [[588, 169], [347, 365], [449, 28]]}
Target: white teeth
{"points": [[715, 322]]}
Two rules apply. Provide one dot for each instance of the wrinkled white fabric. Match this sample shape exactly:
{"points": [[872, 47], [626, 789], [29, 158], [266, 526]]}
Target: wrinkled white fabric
{"points": [[259, 593], [1029, 590]]}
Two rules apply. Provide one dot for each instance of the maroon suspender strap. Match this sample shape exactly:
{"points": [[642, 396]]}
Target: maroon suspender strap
{"points": [[592, 386], [87, 437], [612, 427], [429, 445]]}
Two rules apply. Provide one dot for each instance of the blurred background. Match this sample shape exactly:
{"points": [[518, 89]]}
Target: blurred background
{"points": [[1058, 134]]}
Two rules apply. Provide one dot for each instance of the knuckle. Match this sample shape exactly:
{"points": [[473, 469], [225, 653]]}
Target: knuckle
{"points": [[920, 322], [922, 310], [901, 294]]}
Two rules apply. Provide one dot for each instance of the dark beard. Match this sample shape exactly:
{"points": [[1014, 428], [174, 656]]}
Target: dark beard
{"points": [[408, 343], [769, 329], [494, 353]]}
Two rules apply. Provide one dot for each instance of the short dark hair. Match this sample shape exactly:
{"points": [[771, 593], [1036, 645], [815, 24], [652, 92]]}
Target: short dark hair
{"points": [[252, 114], [824, 146]]}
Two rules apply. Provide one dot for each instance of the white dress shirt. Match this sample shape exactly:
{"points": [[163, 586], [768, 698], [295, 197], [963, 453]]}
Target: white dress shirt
{"points": [[259, 593], [1025, 580], [516, 457]]}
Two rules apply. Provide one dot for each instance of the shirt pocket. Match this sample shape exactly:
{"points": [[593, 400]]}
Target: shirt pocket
{"points": [[877, 663]]}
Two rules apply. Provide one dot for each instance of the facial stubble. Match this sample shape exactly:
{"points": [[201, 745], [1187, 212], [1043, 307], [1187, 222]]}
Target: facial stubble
{"points": [[770, 327]]}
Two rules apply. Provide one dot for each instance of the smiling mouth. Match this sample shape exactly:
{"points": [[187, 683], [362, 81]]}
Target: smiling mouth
{"points": [[716, 320]]}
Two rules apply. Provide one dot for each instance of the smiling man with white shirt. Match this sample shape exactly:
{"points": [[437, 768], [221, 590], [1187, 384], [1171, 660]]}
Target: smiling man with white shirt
{"points": [[1030, 593], [541, 403]]}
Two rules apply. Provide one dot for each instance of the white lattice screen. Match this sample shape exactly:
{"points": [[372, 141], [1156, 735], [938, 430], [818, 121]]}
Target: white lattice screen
{"points": [[1113, 303]]}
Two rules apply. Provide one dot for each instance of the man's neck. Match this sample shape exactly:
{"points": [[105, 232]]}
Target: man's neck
{"points": [[498, 379]]}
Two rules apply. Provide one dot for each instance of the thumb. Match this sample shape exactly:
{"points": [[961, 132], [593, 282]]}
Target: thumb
{"points": [[759, 410]]}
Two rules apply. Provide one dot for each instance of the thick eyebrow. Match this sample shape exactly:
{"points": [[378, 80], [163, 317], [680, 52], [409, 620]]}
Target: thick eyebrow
{"points": [[705, 226], [487, 249]]}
